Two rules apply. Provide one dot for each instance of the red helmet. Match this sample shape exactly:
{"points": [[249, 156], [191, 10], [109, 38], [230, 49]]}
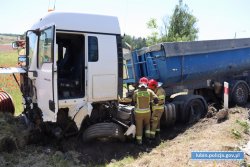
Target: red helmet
{"points": [[152, 84], [143, 80]]}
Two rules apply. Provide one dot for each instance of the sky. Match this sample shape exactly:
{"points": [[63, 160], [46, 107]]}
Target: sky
{"points": [[217, 19]]}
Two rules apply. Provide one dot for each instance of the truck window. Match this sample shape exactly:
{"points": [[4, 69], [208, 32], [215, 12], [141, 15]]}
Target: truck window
{"points": [[45, 47], [92, 49], [32, 45]]}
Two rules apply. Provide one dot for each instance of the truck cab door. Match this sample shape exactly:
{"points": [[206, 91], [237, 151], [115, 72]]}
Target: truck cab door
{"points": [[102, 67], [46, 86]]}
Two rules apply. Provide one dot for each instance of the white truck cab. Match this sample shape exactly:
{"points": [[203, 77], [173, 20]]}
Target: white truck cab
{"points": [[74, 64]]}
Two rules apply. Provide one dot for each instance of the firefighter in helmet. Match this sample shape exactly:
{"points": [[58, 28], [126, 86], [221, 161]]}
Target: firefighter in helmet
{"points": [[157, 109], [142, 98]]}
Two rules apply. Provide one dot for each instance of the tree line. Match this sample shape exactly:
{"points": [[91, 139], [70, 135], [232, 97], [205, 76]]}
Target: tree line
{"points": [[180, 26], [9, 34]]}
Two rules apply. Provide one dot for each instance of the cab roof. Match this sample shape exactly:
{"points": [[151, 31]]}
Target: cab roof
{"points": [[81, 22]]}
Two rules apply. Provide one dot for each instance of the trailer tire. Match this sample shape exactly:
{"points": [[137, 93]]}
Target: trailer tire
{"points": [[240, 94], [186, 105], [103, 131], [194, 111], [169, 115]]}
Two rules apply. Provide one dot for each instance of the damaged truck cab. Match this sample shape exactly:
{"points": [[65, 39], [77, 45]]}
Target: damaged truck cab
{"points": [[74, 68]]}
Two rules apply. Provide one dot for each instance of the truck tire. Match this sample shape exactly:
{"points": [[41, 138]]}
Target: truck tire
{"points": [[190, 108], [240, 94], [169, 115], [103, 131], [194, 111]]}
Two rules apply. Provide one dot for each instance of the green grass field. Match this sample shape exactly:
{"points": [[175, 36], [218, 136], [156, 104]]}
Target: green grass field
{"points": [[8, 58], [8, 83]]}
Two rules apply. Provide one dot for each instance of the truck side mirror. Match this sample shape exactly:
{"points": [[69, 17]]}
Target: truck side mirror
{"points": [[15, 45]]}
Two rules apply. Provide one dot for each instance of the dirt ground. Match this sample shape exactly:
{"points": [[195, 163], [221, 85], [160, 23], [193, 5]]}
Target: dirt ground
{"points": [[5, 48], [174, 150], [206, 135]]}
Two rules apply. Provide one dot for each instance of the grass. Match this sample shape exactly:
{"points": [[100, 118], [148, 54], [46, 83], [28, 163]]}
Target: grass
{"points": [[123, 162], [8, 58], [236, 134], [40, 156], [245, 125], [240, 128], [8, 83]]}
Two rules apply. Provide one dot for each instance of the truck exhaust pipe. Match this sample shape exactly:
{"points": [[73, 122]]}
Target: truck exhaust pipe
{"points": [[6, 103]]}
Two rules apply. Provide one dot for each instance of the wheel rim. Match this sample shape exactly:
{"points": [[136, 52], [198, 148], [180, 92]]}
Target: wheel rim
{"points": [[240, 95], [195, 111]]}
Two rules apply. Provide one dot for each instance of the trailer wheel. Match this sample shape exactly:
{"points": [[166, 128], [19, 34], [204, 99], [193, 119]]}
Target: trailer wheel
{"points": [[240, 94], [194, 110], [103, 132], [169, 115]]}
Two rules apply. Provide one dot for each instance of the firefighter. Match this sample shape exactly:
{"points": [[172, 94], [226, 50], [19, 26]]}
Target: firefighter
{"points": [[142, 98], [157, 109]]}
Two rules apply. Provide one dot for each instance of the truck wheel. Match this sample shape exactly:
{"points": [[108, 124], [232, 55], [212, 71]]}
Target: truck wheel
{"points": [[194, 110], [240, 94], [103, 131], [169, 115], [190, 108]]}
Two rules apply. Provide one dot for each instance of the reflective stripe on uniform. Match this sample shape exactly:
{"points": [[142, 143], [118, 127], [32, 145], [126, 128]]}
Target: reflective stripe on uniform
{"points": [[155, 118], [158, 107], [138, 137], [138, 110], [152, 133], [147, 131]]}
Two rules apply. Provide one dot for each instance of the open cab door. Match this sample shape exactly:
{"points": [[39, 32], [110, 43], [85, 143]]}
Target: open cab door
{"points": [[46, 74]]}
